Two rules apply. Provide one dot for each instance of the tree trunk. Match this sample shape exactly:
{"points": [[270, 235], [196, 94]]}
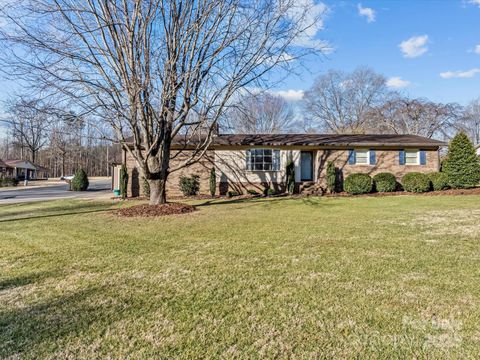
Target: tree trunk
{"points": [[158, 193]]}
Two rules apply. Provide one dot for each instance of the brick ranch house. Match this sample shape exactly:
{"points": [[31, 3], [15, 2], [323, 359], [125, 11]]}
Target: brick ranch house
{"points": [[259, 161]]}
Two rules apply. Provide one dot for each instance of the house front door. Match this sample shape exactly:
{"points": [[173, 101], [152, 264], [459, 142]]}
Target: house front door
{"points": [[306, 165]]}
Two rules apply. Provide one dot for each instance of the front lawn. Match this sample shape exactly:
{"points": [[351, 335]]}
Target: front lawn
{"points": [[386, 277]]}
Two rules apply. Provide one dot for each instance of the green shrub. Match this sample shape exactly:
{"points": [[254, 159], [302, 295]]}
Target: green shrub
{"points": [[291, 177], [438, 180], [231, 194], [332, 185], [123, 181], [80, 181], [213, 182], [385, 182], [145, 187], [189, 185], [416, 182], [271, 192], [356, 184], [252, 192], [462, 164]]}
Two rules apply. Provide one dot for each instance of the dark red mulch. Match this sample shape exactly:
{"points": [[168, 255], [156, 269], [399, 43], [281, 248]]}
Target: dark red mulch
{"points": [[146, 210], [474, 191]]}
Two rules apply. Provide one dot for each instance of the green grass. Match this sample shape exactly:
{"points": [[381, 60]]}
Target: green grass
{"points": [[392, 277]]}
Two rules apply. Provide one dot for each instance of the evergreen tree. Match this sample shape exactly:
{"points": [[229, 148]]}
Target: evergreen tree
{"points": [[123, 181], [291, 177], [80, 181], [462, 165], [331, 177], [213, 182]]}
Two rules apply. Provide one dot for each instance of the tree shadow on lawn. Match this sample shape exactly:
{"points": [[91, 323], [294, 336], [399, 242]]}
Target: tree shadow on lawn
{"points": [[27, 327], [54, 211], [26, 279], [313, 201]]}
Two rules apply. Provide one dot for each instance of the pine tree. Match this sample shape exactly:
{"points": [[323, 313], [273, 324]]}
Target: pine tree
{"points": [[462, 165], [80, 181]]}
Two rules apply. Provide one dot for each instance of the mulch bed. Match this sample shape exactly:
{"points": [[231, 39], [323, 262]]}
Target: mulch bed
{"points": [[146, 210]]}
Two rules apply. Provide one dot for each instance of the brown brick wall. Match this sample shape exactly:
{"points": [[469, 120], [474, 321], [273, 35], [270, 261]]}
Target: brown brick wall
{"points": [[386, 161], [202, 168]]}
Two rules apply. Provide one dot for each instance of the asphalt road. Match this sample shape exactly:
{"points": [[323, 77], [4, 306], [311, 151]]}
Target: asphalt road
{"points": [[99, 188]]}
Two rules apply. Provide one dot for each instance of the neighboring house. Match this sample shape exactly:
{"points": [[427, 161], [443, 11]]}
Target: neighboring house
{"points": [[259, 161], [42, 172], [3, 168], [21, 169]]}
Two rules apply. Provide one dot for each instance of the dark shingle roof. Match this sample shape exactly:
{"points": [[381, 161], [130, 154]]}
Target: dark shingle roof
{"points": [[335, 140]]}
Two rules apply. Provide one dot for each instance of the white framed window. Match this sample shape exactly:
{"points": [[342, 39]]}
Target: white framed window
{"points": [[362, 157], [263, 160], [412, 157]]}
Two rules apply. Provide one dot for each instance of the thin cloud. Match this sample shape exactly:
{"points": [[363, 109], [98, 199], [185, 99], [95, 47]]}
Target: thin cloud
{"points": [[397, 82], [460, 74], [475, 2], [414, 47], [477, 49], [369, 13], [312, 22], [290, 95]]}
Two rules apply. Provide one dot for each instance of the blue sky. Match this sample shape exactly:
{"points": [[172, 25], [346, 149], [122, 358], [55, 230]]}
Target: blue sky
{"points": [[439, 36], [439, 58]]}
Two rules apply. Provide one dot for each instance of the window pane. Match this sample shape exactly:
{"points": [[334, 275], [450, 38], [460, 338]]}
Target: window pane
{"points": [[361, 156], [258, 166], [411, 157]]}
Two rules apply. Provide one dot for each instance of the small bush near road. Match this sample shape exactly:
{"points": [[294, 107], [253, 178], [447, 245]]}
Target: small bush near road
{"points": [[80, 181], [6, 181], [356, 184], [190, 185], [416, 182], [252, 192], [439, 181], [462, 164], [385, 182]]}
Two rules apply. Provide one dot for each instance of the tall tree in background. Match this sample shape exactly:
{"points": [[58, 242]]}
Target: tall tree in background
{"points": [[470, 122], [260, 113], [402, 115], [339, 102], [155, 69], [30, 121]]}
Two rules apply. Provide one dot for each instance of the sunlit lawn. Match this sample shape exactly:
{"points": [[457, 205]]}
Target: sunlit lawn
{"points": [[393, 277]]}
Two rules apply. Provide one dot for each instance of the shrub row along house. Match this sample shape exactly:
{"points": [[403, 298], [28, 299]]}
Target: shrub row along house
{"points": [[258, 162]]}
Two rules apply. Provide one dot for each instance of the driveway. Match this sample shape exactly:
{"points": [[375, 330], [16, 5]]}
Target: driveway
{"points": [[98, 189]]}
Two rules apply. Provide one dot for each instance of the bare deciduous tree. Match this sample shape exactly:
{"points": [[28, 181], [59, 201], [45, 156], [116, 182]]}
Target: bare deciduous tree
{"points": [[402, 115], [260, 113], [154, 69], [339, 102], [30, 121], [470, 122]]}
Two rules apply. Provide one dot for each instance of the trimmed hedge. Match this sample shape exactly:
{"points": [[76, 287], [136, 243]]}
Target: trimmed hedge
{"points": [[385, 182], [439, 181], [356, 184], [416, 182]]}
